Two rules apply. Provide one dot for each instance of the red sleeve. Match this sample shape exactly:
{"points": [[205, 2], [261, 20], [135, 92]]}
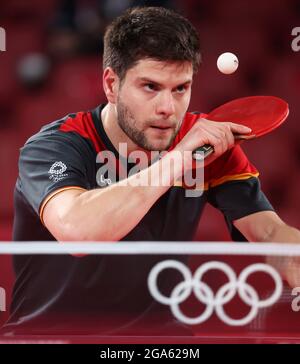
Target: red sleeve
{"points": [[230, 166]]}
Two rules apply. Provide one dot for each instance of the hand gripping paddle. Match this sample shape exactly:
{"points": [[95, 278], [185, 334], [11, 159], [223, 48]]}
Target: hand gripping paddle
{"points": [[260, 113]]}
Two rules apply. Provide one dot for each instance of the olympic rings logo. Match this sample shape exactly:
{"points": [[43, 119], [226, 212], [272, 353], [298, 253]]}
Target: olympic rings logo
{"points": [[214, 301]]}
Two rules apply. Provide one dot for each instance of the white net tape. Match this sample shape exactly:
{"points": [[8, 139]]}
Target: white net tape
{"points": [[194, 248]]}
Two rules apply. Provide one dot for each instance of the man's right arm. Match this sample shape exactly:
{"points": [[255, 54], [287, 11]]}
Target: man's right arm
{"points": [[108, 214]]}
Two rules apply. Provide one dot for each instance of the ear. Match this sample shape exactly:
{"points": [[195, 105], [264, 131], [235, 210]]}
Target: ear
{"points": [[110, 84]]}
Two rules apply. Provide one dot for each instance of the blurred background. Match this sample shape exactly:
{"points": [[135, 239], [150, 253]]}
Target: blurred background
{"points": [[52, 66]]}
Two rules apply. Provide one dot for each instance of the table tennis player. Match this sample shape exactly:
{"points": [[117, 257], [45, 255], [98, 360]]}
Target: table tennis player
{"points": [[150, 58]]}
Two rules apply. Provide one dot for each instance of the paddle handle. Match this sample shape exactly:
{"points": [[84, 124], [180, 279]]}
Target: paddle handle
{"points": [[203, 152], [206, 149]]}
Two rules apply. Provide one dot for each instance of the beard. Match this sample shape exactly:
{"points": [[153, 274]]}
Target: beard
{"points": [[127, 123]]}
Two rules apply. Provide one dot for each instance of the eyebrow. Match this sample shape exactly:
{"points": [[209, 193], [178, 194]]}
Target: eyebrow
{"points": [[145, 79]]}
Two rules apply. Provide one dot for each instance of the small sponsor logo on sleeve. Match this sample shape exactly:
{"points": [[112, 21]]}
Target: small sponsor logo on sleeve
{"points": [[57, 172]]}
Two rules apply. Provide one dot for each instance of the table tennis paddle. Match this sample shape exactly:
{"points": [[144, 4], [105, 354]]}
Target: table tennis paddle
{"points": [[262, 114]]}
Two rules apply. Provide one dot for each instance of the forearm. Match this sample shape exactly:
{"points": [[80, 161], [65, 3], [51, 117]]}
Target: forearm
{"points": [[266, 226], [284, 234], [288, 266], [110, 213]]}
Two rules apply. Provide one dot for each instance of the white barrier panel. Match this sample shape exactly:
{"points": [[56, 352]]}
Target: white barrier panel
{"points": [[187, 295]]}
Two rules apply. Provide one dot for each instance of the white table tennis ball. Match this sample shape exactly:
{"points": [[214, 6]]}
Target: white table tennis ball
{"points": [[227, 63]]}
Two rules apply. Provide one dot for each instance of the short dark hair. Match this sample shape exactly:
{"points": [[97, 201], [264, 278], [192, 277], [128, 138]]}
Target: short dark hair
{"points": [[149, 32]]}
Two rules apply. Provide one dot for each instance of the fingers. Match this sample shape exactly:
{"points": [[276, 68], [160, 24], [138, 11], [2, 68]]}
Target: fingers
{"points": [[226, 132], [288, 267], [218, 135], [239, 129], [292, 273]]}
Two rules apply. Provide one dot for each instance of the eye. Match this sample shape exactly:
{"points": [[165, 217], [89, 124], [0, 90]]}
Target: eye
{"points": [[150, 87], [181, 89]]}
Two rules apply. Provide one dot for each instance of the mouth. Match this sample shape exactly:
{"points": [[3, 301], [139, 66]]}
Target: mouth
{"points": [[161, 126]]}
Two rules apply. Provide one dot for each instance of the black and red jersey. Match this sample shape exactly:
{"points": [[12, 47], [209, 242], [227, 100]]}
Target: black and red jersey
{"points": [[64, 155]]}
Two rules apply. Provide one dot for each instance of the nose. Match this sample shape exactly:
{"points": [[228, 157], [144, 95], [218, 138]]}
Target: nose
{"points": [[165, 104]]}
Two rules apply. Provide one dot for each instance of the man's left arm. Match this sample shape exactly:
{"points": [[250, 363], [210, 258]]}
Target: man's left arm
{"points": [[235, 190], [266, 226]]}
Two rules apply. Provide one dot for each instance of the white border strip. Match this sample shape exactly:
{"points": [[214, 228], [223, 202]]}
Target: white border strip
{"points": [[145, 248]]}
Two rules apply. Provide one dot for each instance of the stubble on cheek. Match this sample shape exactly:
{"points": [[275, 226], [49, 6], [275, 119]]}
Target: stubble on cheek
{"points": [[140, 132]]}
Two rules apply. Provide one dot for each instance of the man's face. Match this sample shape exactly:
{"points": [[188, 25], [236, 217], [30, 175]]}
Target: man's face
{"points": [[152, 101]]}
